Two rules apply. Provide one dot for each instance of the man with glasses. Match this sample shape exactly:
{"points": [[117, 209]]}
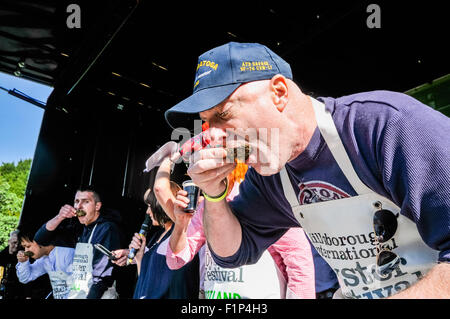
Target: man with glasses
{"points": [[329, 165]]}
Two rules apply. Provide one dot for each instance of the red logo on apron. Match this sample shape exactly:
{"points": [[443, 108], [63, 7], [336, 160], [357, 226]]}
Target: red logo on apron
{"points": [[317, 191]]}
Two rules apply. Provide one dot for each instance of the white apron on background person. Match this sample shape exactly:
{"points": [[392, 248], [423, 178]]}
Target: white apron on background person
{"points": [[59, 280], [342, 230], [257, 281], [82, 272]]}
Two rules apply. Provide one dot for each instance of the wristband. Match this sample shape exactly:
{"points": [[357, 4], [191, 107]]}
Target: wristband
{"points": [[217, 198]]}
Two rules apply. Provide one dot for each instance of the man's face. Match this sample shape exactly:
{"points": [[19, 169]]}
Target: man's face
{"points": [[249, 114], [13, 243], [86, 201], [33, 247]]}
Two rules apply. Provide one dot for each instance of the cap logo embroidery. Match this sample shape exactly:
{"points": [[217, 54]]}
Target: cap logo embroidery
{"points": [[211, 64], [205, 63], [255, 66]]}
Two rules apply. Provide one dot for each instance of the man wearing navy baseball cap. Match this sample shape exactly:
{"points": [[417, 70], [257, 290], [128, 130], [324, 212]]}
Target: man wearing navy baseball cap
{"points": [[362, 175], [222, 70]]}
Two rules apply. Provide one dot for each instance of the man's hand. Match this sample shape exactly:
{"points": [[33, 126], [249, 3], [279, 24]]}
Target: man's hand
{"points": [[21, 256], [209, 168], [121, 255], [67, 211]]}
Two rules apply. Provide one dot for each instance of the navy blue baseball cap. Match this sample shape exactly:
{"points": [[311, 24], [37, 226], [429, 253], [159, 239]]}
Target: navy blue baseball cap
{"points": [[220, 72]]}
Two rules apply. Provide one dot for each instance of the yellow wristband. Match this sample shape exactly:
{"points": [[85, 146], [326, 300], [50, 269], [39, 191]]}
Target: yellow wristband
{"points": [[219, 197]]}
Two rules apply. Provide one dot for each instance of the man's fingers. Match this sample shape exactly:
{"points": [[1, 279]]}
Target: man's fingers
{"points": [[217, 153], [214, 174]]}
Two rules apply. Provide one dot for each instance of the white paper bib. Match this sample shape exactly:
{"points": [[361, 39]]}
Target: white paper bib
{"points": [[82, 272], [82, 269], [257, 281], [342, 230]]}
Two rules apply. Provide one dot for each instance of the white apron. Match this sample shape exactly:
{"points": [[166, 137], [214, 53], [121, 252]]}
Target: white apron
{"points": [[257, 281], [60, 281], [82, 272], [342, 230]]}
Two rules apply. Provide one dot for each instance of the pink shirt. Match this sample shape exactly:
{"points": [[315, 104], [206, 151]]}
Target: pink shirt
{"points": [[291, 253]]}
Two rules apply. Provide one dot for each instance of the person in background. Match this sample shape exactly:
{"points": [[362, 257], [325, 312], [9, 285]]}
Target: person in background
{"points": [[93, 271], [53, 260], [155, 279], [11, 287]]}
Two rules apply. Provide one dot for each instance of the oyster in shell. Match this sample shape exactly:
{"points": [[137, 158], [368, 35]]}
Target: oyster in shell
{"points": [[239, 153], [80, 212]]}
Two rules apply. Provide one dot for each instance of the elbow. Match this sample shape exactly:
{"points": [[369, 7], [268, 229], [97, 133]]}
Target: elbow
{"points": [[172, 264], [158, 189], [23, 280]]}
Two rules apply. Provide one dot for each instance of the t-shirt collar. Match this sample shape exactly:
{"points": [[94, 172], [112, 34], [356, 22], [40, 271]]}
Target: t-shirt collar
{"points": [[314, 146]]}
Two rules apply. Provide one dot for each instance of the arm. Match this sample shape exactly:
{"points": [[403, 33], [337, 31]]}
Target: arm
{"points": [[27, 272], [162, 190], [434, 285], [66, 211], [292, 253], [412, 159], [238, 232], [139, 243], [59, 228], [222, 228], [187, 237], [423, 186]]}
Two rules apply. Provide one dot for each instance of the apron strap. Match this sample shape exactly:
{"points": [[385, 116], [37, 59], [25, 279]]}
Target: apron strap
{"points": [[56, 258], [90, 237], [289, 193], [331, 136]]}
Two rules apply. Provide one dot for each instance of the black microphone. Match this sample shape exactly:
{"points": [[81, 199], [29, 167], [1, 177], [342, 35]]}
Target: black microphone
{"points": [[142, 233]]}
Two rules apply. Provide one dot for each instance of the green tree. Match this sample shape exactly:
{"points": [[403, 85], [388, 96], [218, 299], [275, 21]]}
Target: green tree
{"points": [[13, 182], [10, 203], [16, 176], [7, 224]]}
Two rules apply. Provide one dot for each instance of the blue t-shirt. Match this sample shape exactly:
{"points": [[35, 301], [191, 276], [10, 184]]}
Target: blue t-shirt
{"points": [[399, 147], [157, 281]]}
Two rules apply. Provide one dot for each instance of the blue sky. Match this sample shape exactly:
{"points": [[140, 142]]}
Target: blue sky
{"points": [[20, 121]]}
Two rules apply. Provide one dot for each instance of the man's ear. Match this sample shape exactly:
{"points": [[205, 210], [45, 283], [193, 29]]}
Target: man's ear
{"points": [[279, 87], [98, 205]]}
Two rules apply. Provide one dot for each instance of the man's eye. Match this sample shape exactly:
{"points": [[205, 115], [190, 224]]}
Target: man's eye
{"points": [[223, 115]]}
